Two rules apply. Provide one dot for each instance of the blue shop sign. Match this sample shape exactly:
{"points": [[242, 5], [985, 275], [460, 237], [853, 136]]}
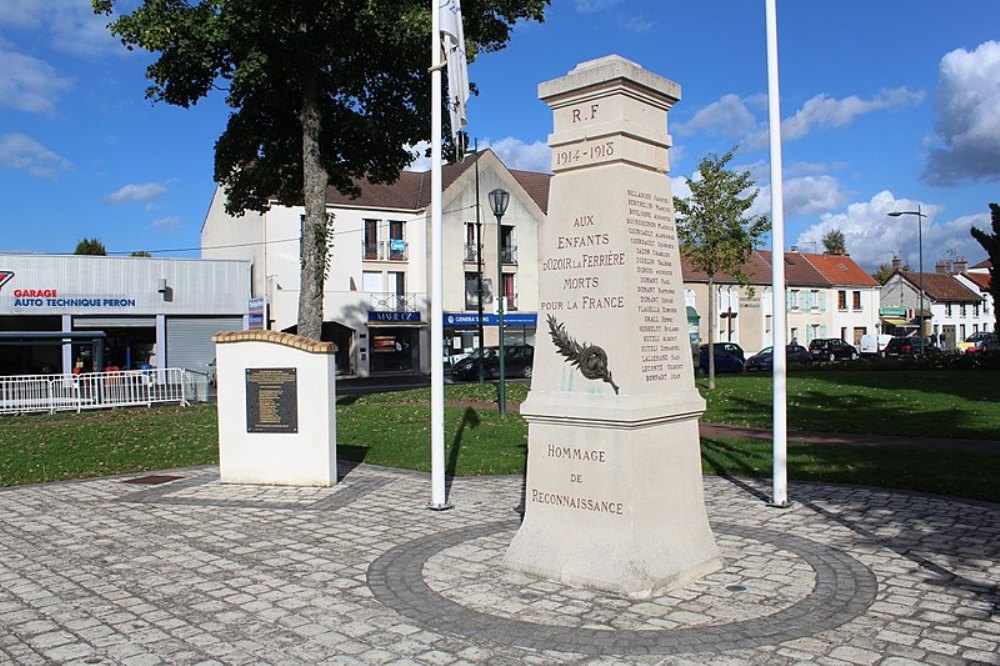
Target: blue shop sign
{"points": [[376, 315], [472, 319]]}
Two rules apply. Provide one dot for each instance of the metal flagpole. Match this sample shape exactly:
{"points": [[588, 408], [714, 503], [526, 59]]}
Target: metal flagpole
{"points": [[438, 499], [779, 491]]}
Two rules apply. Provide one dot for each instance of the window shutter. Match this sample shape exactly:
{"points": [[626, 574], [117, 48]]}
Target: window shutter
{"points": [[822, 301], [822, 331]]}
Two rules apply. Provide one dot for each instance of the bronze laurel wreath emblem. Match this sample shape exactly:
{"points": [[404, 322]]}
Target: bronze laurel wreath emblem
{"points": [[590, 359]]}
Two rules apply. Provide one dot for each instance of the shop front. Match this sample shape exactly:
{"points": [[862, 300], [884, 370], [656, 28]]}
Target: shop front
{"points": [[147, 312], [461, 331], [394, 341]]}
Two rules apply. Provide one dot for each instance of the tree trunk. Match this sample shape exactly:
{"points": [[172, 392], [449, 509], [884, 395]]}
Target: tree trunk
{"points": [[711, 331], [314, 182]]}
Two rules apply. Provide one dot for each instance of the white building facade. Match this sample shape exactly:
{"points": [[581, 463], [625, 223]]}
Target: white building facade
{"points": [[376, 300]]}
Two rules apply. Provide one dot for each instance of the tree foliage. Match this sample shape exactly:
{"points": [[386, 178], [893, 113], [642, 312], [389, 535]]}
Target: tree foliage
{"points": [[886, 271], [323, 93], [991, 243], [90, 246], [716, 234], [140, 253], [834, 242]]}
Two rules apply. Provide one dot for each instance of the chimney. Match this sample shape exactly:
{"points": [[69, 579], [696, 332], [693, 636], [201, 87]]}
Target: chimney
{"points": [[896, 263], [942, 267], [960, 265]]}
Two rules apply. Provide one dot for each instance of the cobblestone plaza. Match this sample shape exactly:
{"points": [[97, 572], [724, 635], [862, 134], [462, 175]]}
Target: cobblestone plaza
{"points": [[185, 570]]}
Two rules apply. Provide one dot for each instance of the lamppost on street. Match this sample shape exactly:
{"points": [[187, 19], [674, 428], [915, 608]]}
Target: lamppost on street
{"points": [[499, 198], [920, 245]]}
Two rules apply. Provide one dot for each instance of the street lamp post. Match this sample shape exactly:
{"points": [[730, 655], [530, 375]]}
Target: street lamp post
{"points": [[920, 245], [499, 198]]}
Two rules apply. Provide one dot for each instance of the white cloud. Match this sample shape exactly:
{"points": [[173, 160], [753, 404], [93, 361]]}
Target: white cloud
{"points": [[141, 192], [638, 24], [873, 237], [166, 224], [20, 151], [517, 154], [729, 116], [968, 123], [421, 157], [71, 25], [591, 6], [805, 195], [29, 84]]}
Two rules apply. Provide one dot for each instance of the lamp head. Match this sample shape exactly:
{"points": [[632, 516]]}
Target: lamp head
{"points": [[499, 198], [895, 213]]}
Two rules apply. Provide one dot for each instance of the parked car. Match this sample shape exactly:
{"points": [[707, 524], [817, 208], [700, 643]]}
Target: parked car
{"points": [[873, 344], [910, 346], [517, 360], [729, 357], [764, 359], [831, 349], [981, 341]]}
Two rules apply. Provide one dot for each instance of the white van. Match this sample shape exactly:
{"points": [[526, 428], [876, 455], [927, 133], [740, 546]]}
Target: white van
{"points": [[872, 344]]}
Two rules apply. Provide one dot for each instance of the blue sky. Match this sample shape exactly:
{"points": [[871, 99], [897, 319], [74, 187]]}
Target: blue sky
{"points": [[885, 105]]}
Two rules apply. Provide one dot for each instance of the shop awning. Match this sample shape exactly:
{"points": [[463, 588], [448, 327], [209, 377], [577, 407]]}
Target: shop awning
{"points": [[896, 321], [693, 316]]}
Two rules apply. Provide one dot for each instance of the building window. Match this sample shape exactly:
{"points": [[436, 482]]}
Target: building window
{"points": [[509, 293], [795, 336], [793, 300], [961, 309], [471, 242], [508, 247], [961, 331], [947, 311], [397, 242], [370, 241], [857, 301], [975, 309], [472, 292], [841, 300], [843, 333]]}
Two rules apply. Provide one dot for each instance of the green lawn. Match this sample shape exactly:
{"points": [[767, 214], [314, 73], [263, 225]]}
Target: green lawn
{"points": [[393, 430]]}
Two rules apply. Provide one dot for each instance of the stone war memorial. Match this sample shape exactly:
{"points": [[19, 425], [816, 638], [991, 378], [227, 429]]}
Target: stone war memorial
{"points": [[277, 412], [613, 497]]}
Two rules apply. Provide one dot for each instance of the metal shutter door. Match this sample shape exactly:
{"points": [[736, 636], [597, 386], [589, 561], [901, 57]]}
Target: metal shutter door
{"points": [[189, 339]]}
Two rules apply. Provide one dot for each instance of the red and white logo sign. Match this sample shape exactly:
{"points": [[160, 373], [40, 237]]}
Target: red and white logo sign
{"points": [[5, 277]]}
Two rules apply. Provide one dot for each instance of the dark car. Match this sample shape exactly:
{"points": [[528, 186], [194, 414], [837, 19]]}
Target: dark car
{"points": [[764, 359], [729, 357], [831, 349], [909, 346], [517, 360]]}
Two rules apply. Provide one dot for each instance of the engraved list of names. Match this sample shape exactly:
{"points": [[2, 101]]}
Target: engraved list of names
{"points": [[272, 400]]}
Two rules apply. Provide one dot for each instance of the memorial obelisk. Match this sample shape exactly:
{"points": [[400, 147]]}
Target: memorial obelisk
{"points": [[614, 496]]}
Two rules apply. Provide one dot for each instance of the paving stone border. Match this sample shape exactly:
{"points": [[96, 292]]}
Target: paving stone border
{"points": [[844, 589], [335, 497]]}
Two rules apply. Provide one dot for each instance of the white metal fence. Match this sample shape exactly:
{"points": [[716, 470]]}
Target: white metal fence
{"points": [[100, 390]]}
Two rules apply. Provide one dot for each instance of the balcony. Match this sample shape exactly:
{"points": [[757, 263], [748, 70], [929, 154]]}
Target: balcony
{"points": [[471, 253], [390, 250], [391, 302], [508, 254]]}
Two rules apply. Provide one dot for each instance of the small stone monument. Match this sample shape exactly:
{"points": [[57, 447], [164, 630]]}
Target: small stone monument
{"points": [[613, 497], [277, 411]]}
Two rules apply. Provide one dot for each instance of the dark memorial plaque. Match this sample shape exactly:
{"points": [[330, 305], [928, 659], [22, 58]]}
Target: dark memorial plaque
{"points": [[272, 400]]}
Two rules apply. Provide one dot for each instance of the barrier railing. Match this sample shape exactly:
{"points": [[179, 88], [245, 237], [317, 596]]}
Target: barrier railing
{"points": [[100, 390]]}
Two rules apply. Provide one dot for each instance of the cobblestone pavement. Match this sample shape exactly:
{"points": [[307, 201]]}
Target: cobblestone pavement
{"points": [[189, 571]]}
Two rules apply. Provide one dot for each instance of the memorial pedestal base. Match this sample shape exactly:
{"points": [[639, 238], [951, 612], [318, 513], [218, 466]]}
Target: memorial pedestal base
{"points": [[614, 506]]}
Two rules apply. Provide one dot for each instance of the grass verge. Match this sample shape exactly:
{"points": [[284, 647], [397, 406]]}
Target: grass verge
{"points": [[393, 430]]}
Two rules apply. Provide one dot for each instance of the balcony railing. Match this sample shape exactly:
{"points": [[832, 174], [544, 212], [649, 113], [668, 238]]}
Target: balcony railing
{"points": [[390, 250], [391, 302], [508, 254], [471, 252]]}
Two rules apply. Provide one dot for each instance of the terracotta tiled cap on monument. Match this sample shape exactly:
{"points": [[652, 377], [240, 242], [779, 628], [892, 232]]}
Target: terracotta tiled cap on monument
{"points": [[277, 338]]}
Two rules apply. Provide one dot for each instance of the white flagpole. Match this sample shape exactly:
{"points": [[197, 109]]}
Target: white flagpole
{"points": [[779, 489], [438, 499]]}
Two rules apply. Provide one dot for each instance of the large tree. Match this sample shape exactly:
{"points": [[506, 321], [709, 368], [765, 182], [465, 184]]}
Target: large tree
{"points": [[991, 243], [323, 92], [834, 242], [716, 233]]}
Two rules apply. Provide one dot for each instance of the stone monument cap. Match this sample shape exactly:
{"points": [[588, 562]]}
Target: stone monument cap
{"points": [[605, 71]]}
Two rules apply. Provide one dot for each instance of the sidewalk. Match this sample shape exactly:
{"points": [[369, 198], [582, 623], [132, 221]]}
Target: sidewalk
{"points": [[179, 569]]}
